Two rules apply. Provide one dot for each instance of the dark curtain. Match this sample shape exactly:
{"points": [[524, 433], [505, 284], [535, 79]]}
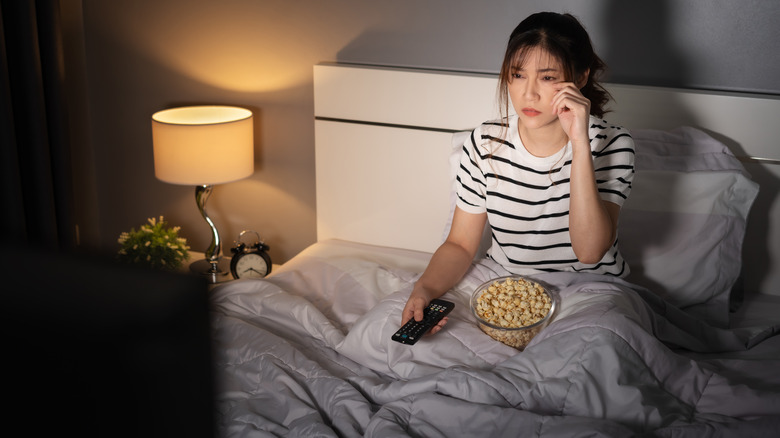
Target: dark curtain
{"points": [[36, 165]]}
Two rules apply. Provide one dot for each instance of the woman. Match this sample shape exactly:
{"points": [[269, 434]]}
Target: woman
{"points": [[550, 180]]}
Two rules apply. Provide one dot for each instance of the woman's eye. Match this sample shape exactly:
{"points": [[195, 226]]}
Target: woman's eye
{"points": [[549, 78]]}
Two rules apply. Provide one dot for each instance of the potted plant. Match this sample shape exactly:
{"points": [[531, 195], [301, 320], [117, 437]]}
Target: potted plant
{"points": [[154, 245]]}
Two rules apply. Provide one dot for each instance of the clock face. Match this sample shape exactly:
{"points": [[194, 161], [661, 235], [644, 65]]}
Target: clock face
{"points": [[251, 266]]}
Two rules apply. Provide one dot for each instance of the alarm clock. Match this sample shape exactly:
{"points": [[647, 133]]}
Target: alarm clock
{"points": [[250, 261]]}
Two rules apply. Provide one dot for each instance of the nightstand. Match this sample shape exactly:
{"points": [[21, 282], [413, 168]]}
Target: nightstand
{"points": [[224, 264]]}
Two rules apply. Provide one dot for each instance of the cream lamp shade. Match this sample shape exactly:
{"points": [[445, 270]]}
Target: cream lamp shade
{"points": [[203, 145]]}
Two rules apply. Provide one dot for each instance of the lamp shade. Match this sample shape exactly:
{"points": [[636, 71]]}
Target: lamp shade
{"points": [[203, 145]]}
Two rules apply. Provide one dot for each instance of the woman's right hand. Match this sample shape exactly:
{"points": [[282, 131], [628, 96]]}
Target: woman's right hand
{"points": [[447, 265], [415, 306]]}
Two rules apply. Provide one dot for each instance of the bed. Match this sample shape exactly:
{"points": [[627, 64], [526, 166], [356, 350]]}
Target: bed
{"points": [[685, 346]]}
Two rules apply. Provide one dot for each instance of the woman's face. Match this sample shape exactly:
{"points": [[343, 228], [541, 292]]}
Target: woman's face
{"points": [[531, 88]]}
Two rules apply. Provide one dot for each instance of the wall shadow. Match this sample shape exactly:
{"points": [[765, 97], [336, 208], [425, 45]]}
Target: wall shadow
{"points": [[640, 48]]}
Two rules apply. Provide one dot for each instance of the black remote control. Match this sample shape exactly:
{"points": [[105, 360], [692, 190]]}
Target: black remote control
{"points": [[413, 330]]}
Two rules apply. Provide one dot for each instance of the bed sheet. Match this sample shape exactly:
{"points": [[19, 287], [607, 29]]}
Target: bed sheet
{"points": [[307, 352]]}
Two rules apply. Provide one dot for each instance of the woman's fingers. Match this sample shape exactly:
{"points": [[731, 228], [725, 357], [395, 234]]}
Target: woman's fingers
{"points": [[568, 97], [414, 308], [440, 325]]}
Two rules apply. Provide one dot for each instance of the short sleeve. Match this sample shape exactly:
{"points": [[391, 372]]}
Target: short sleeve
{"points": [[470, 180], [613, 164]]}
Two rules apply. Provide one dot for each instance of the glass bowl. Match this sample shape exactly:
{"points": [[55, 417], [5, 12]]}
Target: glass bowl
{"points": [[513, 319]]}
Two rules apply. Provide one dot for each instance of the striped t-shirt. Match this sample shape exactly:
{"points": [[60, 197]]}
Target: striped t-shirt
{"points": [[527, 197]]}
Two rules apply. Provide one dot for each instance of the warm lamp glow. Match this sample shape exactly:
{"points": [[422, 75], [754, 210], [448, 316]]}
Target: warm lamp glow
{"points": [[203, 145]]}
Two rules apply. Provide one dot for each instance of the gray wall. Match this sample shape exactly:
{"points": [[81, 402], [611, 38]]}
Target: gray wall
{"points": [[140, 56], [717, 45]]}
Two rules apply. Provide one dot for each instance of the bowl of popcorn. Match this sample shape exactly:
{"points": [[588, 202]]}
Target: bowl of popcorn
{"points": [[513, 309]]}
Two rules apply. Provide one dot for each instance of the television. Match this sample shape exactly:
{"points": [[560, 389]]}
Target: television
{"points": [[95, 348]]}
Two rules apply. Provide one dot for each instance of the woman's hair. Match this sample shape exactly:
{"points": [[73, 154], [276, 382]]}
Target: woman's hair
{"points": [[562, 37]]}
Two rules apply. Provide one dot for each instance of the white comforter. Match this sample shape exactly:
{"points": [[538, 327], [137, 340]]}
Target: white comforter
{"points": [[307, 352]]}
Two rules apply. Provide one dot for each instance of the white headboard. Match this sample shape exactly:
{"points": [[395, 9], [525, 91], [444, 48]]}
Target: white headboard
{"points": [[383, 139]]}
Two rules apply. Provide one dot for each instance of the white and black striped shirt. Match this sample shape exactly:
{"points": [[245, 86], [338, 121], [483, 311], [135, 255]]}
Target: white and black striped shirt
{"points": [[527, 197]]}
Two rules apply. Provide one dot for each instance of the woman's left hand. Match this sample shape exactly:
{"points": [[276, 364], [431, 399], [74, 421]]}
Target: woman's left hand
{"points": [[573, 110]]}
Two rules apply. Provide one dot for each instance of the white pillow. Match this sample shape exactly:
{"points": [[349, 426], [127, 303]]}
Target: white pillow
{"points": [[681, 230]]}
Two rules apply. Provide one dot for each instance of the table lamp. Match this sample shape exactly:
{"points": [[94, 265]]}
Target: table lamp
{"points": [[203, 146]]}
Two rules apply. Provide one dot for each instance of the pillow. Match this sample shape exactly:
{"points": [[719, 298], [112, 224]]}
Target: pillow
{"points": [[681, 230]]}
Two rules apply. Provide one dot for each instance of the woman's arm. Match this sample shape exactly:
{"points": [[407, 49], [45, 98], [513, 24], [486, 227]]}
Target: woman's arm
{"points": [[592, 222], [447, 266]]}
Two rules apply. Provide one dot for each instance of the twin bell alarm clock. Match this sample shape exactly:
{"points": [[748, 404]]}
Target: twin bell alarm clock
{"points": [[250, 260]]}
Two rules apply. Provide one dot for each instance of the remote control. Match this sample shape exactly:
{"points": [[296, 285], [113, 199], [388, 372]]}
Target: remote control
{"points": [[413, 330]]}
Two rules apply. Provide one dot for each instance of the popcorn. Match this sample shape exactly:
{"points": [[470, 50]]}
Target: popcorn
{"points": [[508, 305]]}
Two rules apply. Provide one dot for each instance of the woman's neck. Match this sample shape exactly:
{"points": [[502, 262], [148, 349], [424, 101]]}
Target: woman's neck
{"points": [[543, 142]]}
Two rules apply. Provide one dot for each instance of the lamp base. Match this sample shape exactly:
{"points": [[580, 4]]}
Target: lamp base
{"points": [[204, 268]]}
